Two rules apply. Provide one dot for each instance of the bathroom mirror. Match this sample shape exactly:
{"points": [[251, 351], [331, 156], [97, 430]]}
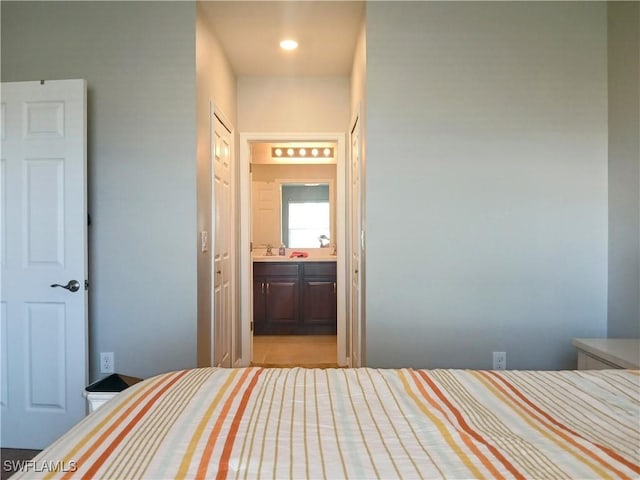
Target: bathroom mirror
{"points": [[293, 204], [306, 215]]}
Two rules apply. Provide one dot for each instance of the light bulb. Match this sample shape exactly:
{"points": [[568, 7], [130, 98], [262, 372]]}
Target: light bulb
{"points": [[288, 44]]}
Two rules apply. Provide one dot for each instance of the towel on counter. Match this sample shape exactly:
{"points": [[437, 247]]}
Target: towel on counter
{"points": [[298, 255]]}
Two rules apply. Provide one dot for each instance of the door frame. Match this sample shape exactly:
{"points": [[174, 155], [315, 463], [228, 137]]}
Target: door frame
{"points": [[246, 272]]}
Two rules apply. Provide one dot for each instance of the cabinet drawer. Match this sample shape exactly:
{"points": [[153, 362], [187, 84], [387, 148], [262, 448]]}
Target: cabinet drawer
{"points": [[319, 269], [267, 269]]}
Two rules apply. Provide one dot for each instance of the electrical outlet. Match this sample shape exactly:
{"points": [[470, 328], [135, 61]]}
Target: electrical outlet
{"points": [[499, 360], [106, 362]]}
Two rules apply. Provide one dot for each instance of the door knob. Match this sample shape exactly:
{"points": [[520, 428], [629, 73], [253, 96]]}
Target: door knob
{"points": [[72, 286]]}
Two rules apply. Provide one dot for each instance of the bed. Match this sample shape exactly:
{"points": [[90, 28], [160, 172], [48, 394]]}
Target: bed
{"points": [[358, 423]]}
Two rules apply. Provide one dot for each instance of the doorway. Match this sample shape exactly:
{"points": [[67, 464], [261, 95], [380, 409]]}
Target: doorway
{"points": [[336, 238]]}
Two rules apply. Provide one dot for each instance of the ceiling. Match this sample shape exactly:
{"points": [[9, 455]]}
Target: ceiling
{"points": [[250, 33]]}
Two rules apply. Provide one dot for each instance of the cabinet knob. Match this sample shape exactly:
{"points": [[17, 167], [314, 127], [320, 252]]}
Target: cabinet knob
{"points": [[335, 287]]}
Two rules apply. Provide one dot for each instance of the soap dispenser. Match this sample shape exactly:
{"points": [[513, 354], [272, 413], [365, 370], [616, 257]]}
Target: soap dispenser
{"points": [[281, 250]]}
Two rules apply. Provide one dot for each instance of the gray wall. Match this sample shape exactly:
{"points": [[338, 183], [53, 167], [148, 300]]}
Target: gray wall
{"points": [[216, 83], [139, 62], [486, 182], [624, 169]]}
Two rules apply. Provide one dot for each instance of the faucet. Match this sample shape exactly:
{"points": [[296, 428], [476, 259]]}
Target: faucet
{"points": [[335, 250], [269, 252]]}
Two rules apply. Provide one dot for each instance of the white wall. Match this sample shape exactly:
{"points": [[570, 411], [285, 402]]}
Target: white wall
{"points": [[486, 182], [215, 82], [358, 78], [139, 63], [624, 169], [358, 99], [293, 104]]}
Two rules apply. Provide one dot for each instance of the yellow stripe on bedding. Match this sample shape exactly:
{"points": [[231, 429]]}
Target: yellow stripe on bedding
{"points": [[444, 431], [143, 390], [532, 421], [197, 435]]}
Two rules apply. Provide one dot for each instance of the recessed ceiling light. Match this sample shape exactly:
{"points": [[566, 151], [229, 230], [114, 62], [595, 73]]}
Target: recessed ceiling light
{"points": [[288, 44]]}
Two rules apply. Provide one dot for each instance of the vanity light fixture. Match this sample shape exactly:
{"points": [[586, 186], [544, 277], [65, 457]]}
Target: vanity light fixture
{"points": [[301, 152], [288, 44]]}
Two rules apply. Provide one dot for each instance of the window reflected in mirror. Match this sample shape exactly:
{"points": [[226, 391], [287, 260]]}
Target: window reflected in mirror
{"points": [[306, 215]]}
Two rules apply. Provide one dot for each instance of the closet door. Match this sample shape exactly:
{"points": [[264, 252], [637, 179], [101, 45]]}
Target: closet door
{"points": [[223, 226]]}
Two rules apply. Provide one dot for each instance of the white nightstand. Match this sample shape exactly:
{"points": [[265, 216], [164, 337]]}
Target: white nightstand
{"points": [[97, 399], [602, 353], [100, 392]]}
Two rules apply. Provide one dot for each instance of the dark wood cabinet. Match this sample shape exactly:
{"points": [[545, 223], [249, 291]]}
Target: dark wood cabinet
{"points": [[294, 298], [276, 298], [319, 294]]}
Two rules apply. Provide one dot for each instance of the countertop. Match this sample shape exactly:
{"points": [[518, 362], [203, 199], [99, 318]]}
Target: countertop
{"points": [[619, 351], [314, 255], [277, 258]]}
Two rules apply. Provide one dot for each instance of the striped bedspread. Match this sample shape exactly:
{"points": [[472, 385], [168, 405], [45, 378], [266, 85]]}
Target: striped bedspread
{"points": [[359, 423]]}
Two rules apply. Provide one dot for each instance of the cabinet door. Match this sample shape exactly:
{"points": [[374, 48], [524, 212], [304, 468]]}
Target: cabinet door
{"points": [[282, 300], [320, 301], [259, 308]]}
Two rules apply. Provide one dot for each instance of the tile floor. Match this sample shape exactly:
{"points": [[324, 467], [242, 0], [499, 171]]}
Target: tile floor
{"points": [[295, 350]]}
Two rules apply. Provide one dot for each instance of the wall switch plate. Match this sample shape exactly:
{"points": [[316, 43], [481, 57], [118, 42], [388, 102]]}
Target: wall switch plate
{"points": [[106, 362], [204, 241], [499, 360]]}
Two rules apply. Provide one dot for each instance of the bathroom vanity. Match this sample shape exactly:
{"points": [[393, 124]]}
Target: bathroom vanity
{"points": [[294, 296]]}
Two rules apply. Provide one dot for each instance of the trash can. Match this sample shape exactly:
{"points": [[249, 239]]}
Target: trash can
{"points": [[105, 389]]}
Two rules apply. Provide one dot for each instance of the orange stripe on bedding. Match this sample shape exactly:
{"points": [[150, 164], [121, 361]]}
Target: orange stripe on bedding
{"points": [[213, 436], [465, 426], [567, 438], [111, 447], [608, 451], [223, 465], [199, 431], [150, 386], [463, 435]]}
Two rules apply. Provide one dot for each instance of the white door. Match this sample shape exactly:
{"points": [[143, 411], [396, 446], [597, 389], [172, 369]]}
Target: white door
{"points": [[355, 300], [265, 197], [43, 243], [223, 228]]}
